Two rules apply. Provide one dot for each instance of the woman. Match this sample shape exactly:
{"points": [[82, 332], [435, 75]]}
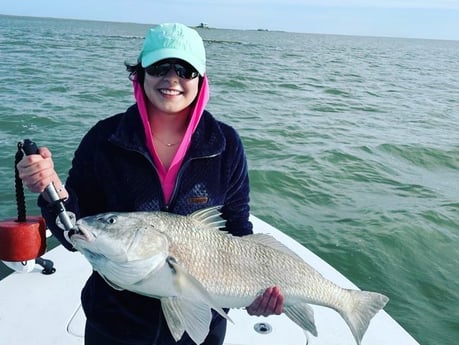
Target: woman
{"points": [[166, 152]]}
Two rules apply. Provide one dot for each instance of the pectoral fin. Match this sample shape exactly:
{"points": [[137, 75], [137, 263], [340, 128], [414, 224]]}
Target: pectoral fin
{"points": [[190, 311]]}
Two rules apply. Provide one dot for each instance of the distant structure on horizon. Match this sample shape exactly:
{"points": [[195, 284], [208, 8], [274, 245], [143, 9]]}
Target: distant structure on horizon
{"points": [[203, 26]]}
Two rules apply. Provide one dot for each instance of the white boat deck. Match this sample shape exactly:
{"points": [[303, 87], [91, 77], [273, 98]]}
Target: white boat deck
{"points": [[45, 309]]}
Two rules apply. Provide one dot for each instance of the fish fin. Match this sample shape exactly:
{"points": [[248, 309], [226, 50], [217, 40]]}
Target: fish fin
{"points": [[192, 288], [210, 216], [191, 310], [187, 315], [270, 241], [362, 306], [303, 315], [173, 317]]}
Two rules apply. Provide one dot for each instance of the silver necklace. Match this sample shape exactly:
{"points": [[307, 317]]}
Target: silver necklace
{"points": [[166, 144]]}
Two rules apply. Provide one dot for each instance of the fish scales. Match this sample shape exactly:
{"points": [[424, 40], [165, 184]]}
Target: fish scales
{"points": [[192, 267], [249, 267]]}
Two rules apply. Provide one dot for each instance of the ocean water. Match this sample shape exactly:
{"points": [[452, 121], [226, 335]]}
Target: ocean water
{"points": [[352, 142]]}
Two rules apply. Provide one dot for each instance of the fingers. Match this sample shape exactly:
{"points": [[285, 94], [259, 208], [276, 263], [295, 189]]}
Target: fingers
{"points": [[254, 308], [37, 171], [271, 302], [44, 152], [276, 301]]}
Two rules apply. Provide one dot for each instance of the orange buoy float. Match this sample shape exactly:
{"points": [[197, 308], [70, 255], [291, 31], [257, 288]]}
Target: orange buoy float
{"points": [[24, 238], [22, 241]]}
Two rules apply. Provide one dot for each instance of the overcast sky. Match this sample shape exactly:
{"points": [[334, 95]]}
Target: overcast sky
{"points": [[396, 18]]}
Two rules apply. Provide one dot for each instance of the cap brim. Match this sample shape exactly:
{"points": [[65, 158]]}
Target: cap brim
{"points": [[167, 53]]}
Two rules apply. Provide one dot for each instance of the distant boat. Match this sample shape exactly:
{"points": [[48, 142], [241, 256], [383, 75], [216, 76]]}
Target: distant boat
{"points": [[203, 26]]}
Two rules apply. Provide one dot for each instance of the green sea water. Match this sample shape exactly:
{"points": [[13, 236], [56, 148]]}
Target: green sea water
{"points": [[352, 142]]}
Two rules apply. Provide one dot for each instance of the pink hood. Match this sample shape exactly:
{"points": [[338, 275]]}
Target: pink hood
{"points": [[168, 177]]}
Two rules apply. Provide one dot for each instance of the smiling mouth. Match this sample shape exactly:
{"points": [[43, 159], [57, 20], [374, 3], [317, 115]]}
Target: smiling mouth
{"points": [[170, 92]]}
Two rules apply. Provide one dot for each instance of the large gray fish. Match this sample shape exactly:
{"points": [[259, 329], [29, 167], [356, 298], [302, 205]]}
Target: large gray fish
{"points": [[193, 267]]}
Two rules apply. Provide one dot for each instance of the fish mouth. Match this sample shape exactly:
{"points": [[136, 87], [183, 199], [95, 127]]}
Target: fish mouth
{"points": [[81, 233]]}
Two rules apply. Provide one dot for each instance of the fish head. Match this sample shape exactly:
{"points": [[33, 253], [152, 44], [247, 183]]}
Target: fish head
{"points": [[119, 237]]}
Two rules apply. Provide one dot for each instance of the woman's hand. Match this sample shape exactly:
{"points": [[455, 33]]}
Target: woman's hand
{"points": [[270, 303], [37, 172]]}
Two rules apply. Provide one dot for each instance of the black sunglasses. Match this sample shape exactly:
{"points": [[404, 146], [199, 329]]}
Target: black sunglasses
{"points": [[183, 70]]}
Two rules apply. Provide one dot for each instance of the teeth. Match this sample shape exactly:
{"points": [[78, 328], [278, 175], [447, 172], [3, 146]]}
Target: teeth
{"points": [[170, 92]]}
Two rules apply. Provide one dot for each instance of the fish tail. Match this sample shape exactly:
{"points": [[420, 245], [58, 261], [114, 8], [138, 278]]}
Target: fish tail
{"points": [[361, 308]]}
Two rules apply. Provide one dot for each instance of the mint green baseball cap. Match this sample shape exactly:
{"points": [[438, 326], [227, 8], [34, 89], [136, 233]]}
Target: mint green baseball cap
{"points": [[173, 41]]}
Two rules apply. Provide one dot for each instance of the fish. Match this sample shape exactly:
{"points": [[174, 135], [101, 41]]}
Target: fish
{"points": [[192, 265]]}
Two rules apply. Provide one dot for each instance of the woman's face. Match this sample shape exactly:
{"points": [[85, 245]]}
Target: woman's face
{"points": [[166, 91]]}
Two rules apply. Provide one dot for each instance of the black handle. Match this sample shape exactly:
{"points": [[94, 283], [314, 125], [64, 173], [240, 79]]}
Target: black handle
{"points": [[29, 147]]}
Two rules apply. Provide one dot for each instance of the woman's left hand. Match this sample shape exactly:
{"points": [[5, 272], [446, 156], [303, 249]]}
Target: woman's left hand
{"points": [[270, 303]]}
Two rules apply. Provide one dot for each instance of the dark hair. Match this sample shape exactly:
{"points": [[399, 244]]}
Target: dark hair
{"points": [[139, 71], [136, 70]]}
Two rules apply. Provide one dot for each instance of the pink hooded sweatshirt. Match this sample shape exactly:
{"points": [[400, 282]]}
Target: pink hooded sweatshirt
{"points": [[168, 176]]}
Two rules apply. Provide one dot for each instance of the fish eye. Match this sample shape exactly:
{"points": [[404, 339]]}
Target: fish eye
{"points": [[111, 219]]}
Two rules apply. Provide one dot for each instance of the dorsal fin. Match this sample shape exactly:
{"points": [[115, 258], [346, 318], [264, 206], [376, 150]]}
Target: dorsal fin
{"points": [[269, 241], [210, 216]]}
